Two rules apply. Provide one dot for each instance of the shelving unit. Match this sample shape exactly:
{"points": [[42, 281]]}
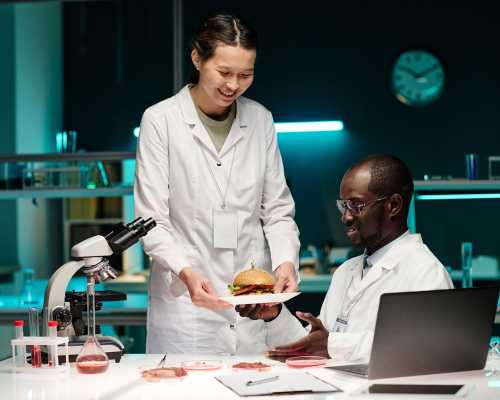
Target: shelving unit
{"points": [[105, 188], [117, 191], [453, 189]]}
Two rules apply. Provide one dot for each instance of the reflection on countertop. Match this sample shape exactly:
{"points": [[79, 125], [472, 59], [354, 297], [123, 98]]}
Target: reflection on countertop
{"points": [[124, 381]]}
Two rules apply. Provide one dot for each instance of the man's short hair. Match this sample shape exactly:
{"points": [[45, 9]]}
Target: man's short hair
{"points": [[389, 175]]}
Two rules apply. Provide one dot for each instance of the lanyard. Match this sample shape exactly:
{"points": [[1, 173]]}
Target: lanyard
{"points": [[222, 196]]}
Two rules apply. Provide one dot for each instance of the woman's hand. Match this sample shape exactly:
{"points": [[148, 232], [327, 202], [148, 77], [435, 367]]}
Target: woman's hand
{"points": [[286, 278], [201, 290]]}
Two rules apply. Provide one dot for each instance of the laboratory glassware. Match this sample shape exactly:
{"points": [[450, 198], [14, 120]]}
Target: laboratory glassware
{"points": [[472, 166], [27, 296], [52, 332], [92, 359], [466, 264], [34, 329], [21, 351]]}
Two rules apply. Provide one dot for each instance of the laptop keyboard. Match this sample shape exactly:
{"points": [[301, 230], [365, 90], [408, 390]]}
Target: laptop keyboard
{"points": [[358, 369]]}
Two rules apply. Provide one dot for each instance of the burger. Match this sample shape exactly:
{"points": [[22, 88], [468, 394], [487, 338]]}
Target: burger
{"points": [[252, 281]]}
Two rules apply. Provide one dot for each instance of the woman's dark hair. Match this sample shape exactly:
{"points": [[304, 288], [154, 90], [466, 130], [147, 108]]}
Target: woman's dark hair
{"points": [[221, 28]]}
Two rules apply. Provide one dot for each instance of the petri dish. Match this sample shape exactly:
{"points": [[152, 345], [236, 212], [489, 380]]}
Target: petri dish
{"points": [[306, 361], [202, 365], [251, 367]]}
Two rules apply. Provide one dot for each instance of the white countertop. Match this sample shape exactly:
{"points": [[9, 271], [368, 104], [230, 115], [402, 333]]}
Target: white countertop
{"points": [[123, 381]]}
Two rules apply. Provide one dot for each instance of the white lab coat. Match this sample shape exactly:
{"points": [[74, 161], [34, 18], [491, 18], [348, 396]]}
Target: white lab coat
{"points": [[408, 266], [174, 186]]}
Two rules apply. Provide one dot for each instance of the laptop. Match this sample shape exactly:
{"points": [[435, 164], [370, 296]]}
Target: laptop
{"points": [[429, 332]]}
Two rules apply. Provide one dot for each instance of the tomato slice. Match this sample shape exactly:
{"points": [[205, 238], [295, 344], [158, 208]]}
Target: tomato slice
{"points": [[251, 288]]}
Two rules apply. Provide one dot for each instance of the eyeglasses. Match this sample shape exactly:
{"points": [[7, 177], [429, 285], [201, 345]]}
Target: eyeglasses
{"points": [[355, 207]]}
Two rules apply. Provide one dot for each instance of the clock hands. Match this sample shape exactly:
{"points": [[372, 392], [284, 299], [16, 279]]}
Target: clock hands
{"points": [[408, 70], [418, 75], [425, 72]]}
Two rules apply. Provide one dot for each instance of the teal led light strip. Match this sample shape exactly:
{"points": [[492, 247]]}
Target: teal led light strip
{"points": [[458, 196], [289, 127], [319, 126]]}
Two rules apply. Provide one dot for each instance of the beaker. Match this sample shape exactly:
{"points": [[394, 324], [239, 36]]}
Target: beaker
{"points": [[92, 359], [27, 296]]}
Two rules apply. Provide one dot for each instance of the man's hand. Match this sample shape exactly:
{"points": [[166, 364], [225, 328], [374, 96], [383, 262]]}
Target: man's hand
{"points": [[315, 343], [201, 290], [286, 278], [267, 312]]}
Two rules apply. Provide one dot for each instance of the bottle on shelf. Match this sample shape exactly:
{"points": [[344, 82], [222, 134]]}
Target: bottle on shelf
{"points": [[466, 264]]}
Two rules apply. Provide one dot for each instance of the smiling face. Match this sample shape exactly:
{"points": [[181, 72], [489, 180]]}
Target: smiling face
{"points": [[223, 78], [368, 228]]}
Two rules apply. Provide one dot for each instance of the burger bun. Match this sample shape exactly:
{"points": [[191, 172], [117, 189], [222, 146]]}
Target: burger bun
{"points": [[253, 276]]}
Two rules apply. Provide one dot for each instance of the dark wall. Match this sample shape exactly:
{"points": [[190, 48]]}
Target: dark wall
{"points": [[319, 60], [8, 208], [118, 60]]}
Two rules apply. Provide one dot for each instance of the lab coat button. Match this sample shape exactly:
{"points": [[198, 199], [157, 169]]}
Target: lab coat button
{"points": [[232, 326]]}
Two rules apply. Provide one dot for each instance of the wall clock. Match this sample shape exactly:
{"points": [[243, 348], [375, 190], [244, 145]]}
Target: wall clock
{"points": [[417, 78]]}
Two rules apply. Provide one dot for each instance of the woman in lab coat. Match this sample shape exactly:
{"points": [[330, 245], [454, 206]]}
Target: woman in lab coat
{"points": [[210, 173]]}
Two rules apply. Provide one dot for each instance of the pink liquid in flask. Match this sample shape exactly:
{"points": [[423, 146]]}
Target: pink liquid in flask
{"points": [[92, 364]]}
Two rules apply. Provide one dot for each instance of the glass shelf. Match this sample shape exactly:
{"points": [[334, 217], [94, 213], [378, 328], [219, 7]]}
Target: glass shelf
{"points": [[63, 175], [451, 189], [66, 193]]}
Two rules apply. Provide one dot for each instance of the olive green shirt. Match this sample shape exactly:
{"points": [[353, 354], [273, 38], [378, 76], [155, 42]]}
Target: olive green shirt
{"points": [[217, 130]]}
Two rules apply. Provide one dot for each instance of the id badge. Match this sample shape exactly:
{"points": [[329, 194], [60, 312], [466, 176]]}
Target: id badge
{"points": [[340, 325], [225, 229]]}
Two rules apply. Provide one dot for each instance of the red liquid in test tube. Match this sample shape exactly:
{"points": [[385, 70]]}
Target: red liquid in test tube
{"points": [[36, 356]]}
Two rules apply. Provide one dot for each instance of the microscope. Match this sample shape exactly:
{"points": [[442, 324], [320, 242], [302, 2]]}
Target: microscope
{"points": [[92, 257]]}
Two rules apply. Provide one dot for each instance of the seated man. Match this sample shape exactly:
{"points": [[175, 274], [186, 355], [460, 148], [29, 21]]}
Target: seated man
{"points": [[375, 198]]}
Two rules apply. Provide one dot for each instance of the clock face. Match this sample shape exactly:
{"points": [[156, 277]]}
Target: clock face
{"points": [[417, 78]]}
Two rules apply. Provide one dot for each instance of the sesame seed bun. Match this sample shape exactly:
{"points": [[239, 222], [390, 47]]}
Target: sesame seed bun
{"points": [[253, 276]]}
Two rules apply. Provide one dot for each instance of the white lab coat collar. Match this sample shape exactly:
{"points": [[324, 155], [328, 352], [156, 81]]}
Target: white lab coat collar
{"points": [[192, 119], [386, 258], [380, 253]]}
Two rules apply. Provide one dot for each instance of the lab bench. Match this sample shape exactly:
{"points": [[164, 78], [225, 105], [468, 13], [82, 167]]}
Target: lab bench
{"points": [[123, 381]]}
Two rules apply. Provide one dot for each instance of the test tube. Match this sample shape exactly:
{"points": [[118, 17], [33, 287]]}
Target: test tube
{"points": [[52, 349], [21, 349], [36, 352], [33, 322]]}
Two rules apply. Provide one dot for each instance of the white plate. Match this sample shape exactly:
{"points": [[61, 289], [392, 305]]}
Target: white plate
{"points": [[260, 298]]}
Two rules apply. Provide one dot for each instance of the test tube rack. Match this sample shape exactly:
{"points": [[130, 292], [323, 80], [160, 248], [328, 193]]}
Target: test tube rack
{"points": [[51, 343]]}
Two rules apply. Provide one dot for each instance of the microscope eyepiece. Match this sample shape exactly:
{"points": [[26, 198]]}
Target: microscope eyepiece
{"points": [[123, 236]]}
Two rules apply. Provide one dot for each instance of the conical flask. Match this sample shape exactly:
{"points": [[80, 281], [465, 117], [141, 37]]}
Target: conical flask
{"points": [[92, 359]]}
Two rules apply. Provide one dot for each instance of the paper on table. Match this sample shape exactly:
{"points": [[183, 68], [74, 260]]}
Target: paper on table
{"points": [[260, 298], [286, 383]]}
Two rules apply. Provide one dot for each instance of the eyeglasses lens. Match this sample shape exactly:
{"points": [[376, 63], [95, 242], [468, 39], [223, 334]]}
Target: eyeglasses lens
{"points": [[353, 206]]}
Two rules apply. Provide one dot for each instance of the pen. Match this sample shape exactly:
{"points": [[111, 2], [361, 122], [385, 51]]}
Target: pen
{"points": [[265, 380]]}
